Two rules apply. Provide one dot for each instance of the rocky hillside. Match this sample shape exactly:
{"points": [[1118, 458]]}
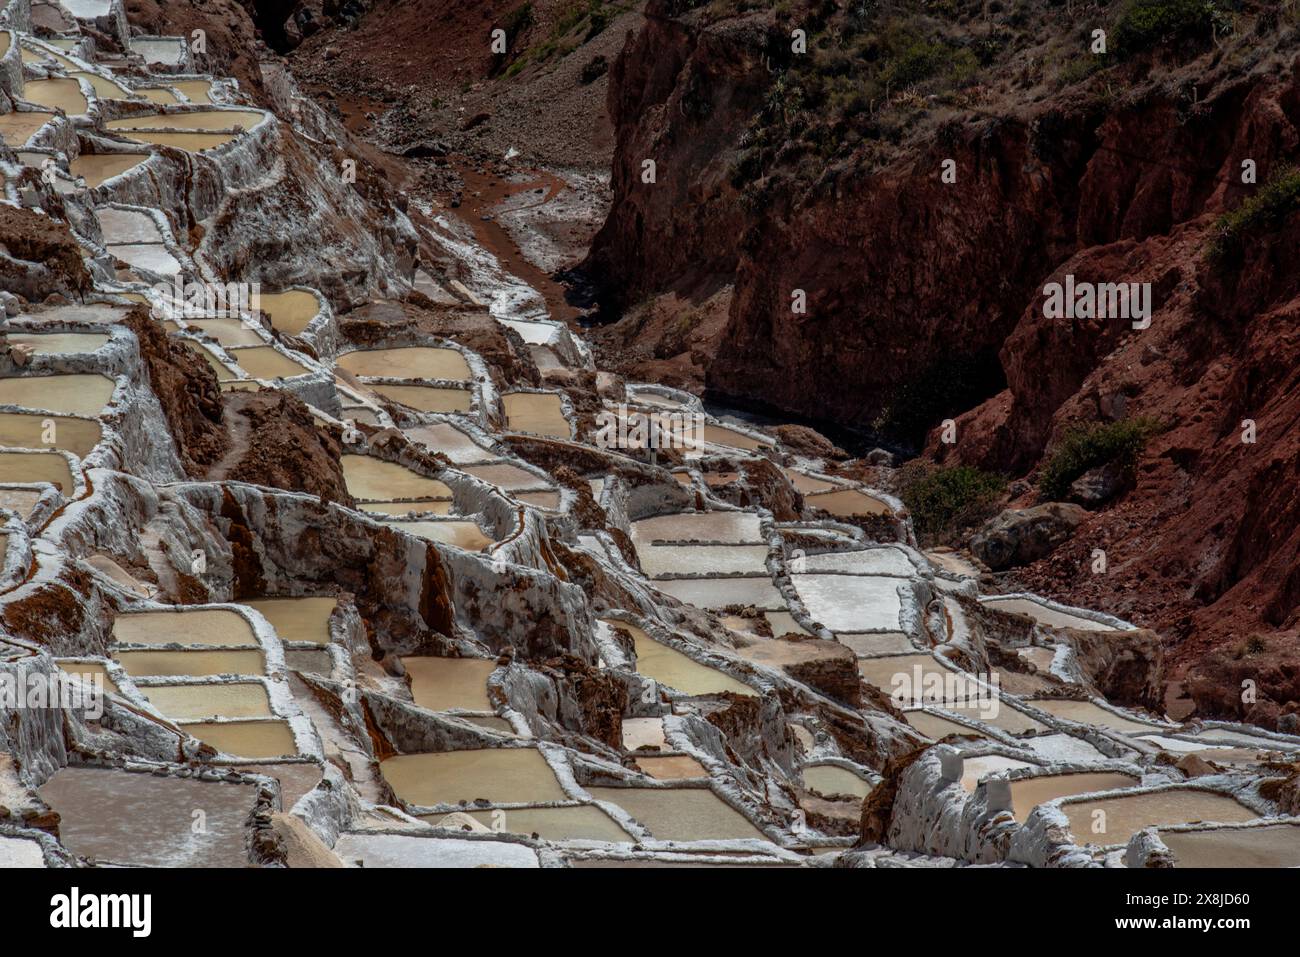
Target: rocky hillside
{"points": [[824, 172]]}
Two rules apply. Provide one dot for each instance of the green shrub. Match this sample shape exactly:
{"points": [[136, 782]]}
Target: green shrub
{"points": [[1150, 23], [1278, 198], [1086, 447], [946, 499]]}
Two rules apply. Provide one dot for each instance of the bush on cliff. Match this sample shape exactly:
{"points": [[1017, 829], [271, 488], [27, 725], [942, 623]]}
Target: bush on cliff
{"points": [[1151, 23], [947, 499], [1278, 198], [1086, 447]]}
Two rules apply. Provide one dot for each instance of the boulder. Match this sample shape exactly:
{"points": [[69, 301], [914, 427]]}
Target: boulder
{"points": [[1098, 486], [1019, 536]]}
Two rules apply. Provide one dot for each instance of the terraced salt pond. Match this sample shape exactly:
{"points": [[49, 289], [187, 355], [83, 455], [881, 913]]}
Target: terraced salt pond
{"points": [[1045, 615], [191, 663], [58, 343], [936, 684], [297, 619], [1270, 845], [227, 332], [730, 438], [1089, 713], [196, 91], [201, 120], [290, 312], [22, 430], [449, 440], [828, 779], [851, 602], [207, 626], [671, 767], [189, 142], [427, 398], [501, 775], [730, 527], [253, 740], [1124, 816], [266, 362], [98, 168], [152, 824], [670, 667], [69, 394], [442, 684], [466, 535], [660, 560], [29, 468], [410, 362], [681, 814], [105, 89], [719, 593], [92, 672], [507, 477], [375, 480], [199, 701], [580, 823], [1028, 793], [847, 503], [18, 128], [540, 413], [56, 94]]}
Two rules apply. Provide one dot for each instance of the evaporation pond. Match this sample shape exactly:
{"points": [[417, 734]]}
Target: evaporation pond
{"points": [[441, 684], [730, 527], [59, 94], [189, 142], [659, 560], [716, 593], [681, 814], [19, 430], [151, 823], [412, 362], [449, 440], [264, 362], [427, 398], [465, 535], [297, 619], [670, 667], [1089, 713], [193, 663], [206, 120], [193, 702], [582, 823], [206, 626], [851, 602], [1028, 793], [97, 168], [1126, 815], [59, 343], [18, 128], [28, 468], [541, 413], [375, 480], [246, 739], [829, 779], [290, 312], [70, 394], [500, 775], [848, 502], [730, 438], [1044, 615], [1273, 845]]}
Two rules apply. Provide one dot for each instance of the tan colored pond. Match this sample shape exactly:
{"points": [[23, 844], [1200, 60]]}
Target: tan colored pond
{"points": [[409, 362], [21, 430], [58, 343], [204, 120], [70, 394], [57, 94], [449, 440], [1006, 718], [733, 527], [207, 626], [936, 684], [1028, 793], [291, 311], [828, 779], [196, 91], [264, 362], [1122, 817], [1044, 615], [104, 88], [1040, 658], [193, 663], [505, 476], [783, 623], [716, 593], [21, 500], [549, 500], [241, 700], [97, 168], [441, 684], [28, 468], [659, 560], [152, 822], [582, 823], [379, 481], [1272, 845], [158, 94], [935, 727], [207, 355], [246, 739], [228, 332], [465, 535], [92, 671], [18, 128], [681, 814], [807, 484], [975, 769], [847, 503], [670, 667], [398, 509], [297, 619], [1090, 713], [189, 142], [721, 435], [541, 413], [644, 732], [501, 775], [427, 398], [671, 767], [870, 644]]}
